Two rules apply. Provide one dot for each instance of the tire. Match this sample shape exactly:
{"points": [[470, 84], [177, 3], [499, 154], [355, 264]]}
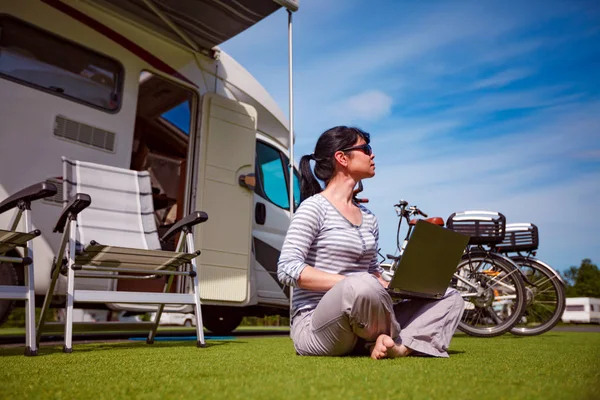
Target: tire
{"points": [[221, 322], [499, 301], [8, 276], [187, 323], [546, 299]]}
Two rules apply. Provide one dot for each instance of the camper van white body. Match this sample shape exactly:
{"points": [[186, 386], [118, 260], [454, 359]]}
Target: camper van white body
{"points": [[33, 122], [582, 310]]}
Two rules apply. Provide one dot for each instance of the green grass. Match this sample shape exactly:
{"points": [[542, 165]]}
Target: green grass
{"points": [[11, 331], [556, 365], [192, 331]]}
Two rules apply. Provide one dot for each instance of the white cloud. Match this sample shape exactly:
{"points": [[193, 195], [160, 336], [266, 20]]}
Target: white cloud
{"points": [[590, 154], [365, 106], [517, 99], [503, 78], [501, 54]]}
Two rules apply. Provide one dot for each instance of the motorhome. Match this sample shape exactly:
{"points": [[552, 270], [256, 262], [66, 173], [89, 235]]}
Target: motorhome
{"points": [[142, 84], [582, 310]]}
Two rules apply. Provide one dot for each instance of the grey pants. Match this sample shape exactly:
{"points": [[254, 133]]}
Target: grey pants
{"points": [[358, 309]]}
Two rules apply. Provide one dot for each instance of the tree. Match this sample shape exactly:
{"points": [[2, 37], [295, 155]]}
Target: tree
{"points": [[583, 281]]}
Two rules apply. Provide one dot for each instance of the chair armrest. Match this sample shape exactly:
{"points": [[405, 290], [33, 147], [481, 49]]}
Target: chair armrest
{"points": [[194, 218], [78, 203], [29, 194]]}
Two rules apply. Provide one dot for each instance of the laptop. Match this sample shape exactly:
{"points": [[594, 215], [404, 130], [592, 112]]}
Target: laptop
{"points": [[428, 263]]}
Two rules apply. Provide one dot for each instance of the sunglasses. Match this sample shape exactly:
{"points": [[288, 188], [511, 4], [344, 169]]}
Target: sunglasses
{"points": [[365, 148]]}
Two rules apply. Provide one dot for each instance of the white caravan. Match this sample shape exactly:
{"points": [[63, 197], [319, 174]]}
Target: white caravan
{"points": [[582, 310], [140, 84]]}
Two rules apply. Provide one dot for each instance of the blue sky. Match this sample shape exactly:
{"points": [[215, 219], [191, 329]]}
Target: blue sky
{"points": [[471, 105]]}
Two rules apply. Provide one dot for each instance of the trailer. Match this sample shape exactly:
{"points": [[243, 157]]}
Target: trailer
{"points": [[582, 310], [142, 84]]}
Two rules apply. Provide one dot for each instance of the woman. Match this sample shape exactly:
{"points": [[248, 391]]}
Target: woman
{"points": [[340, 305]]}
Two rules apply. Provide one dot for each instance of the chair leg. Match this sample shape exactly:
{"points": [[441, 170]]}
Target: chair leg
{"points": [[30, 343], [159, 311], [152, 333], [48, 300], [198, 310], [68, 347], [196, 287], [50, 291]]}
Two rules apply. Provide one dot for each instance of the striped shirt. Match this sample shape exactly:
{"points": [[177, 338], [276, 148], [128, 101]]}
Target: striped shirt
{"points": [[320, 236]]}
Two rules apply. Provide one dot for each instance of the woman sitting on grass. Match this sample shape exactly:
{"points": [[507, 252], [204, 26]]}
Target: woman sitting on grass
{"points": [[340, 305]]}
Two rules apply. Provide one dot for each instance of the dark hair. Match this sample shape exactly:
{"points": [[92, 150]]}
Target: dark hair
{"points": [[329, 142]]}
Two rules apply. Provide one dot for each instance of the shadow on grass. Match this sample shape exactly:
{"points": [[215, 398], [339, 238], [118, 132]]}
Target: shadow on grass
{"points": [[92, 347], [504, 336]]}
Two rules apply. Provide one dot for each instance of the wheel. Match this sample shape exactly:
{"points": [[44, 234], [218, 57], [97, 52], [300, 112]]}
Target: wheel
{"points": [[188, 323], [221, 320], [493, 291], [545, 298], [8, 276]]}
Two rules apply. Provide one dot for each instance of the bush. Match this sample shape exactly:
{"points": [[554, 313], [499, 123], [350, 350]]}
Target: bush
{"points": [[267, 320], [17, 318]]}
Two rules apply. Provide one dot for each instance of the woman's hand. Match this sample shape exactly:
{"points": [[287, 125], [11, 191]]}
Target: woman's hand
{"points": [[383, 282]]}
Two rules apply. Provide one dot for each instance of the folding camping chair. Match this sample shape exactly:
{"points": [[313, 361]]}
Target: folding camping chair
{"points": [[116, 238], [10, 240]]}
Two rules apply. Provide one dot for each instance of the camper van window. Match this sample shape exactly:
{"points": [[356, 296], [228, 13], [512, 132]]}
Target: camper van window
{"points": [[271, 172], [576, 307], [37, 58]]}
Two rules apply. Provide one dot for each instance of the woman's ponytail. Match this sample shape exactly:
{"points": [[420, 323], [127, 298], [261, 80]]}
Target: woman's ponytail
{"points": [[309, 185]]}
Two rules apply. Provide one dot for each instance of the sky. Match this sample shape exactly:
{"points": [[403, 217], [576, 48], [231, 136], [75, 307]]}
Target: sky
{"points": [[471, 105]]}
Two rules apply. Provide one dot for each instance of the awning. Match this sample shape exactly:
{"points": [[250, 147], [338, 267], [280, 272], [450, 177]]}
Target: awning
{"points": [[200, 24]]}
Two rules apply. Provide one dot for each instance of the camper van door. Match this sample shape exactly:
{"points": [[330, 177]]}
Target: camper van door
{"points": [[226, 157]]}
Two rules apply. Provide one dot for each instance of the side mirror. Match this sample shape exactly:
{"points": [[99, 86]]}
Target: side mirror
{"points": [[247, 181]]}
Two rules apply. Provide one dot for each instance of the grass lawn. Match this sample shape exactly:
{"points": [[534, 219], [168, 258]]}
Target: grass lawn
{"points": [[556, 365], [166, 329]]}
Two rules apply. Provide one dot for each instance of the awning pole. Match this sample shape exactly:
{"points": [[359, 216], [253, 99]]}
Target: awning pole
{"points": [[291, 94], [291, 144]]}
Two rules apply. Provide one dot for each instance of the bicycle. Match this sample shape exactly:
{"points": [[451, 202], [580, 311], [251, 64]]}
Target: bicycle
{"points": [[489, 282], [545, 288]]}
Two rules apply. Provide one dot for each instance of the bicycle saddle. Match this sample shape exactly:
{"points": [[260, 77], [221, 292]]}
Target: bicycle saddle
{"points": [[433, 220]]}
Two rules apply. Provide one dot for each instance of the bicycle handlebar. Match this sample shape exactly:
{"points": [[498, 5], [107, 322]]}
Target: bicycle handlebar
{"points": [[402, 203], [405, 212]]}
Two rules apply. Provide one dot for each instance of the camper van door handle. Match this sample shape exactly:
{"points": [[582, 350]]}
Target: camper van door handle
{"points": [[260, 213], [248, 181]]}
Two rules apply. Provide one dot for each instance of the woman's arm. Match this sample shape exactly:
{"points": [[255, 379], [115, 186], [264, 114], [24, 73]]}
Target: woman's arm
{"points": [[299, 238], [374, 267], [314, 279]]}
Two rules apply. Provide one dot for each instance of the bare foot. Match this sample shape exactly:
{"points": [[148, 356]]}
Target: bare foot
{"points": [[385, 347]]}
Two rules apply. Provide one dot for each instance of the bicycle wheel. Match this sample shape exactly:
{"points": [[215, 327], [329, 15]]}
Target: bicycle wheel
{"points": [[546, 298], [493, 291]]}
